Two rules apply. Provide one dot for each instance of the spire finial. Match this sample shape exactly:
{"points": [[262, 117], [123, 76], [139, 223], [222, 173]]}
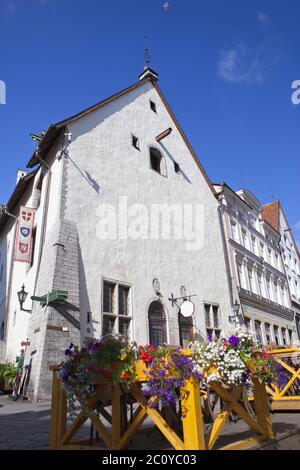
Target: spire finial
{"points": [[147, 57]]}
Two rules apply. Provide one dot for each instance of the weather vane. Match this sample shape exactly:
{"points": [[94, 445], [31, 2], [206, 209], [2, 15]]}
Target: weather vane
{"points": [[166, 6]]}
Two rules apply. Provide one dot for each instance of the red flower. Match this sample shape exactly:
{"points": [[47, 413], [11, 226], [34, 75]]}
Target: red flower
{"points": [[265, 356], [146, 357], [125, 376], [90, 369]]}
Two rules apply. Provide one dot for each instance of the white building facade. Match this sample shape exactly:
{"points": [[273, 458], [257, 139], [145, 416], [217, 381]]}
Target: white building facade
{"points": [[125, 217], [258, 278], [275, 215]]}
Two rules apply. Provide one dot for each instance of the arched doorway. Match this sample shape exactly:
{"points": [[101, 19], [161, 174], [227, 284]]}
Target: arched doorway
{"points": [[157, 324]]}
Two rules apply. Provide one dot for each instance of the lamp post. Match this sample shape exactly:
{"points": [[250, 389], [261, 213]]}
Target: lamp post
{"points": [[22, 296], [236, 308]]}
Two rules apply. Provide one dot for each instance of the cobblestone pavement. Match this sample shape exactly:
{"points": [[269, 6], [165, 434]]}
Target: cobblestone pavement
{"points": [[25, 425]]}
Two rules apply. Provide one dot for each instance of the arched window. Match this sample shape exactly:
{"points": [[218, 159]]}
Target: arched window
{"points": [[155, 160], [157, 324]]}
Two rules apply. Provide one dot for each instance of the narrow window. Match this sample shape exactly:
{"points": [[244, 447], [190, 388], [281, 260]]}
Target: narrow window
{"points": [[123, 300], [212, 321], [177, 168], [247, 324], [88, 317], [153, 106], [258, 332], [155, 160], [124, 327], [268, 332], [276, 335], [108, 297], [108, 326], [135, 142]]}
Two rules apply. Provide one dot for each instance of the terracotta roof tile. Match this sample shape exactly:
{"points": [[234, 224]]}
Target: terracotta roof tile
{"points": [[270, 213]]}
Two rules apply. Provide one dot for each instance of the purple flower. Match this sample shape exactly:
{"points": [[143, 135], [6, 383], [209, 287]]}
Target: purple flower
{"points": [[234, 341], [68, 352]]}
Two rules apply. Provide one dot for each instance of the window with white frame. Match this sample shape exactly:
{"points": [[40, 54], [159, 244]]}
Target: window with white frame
{"points": [[276, 293], [248, 324], [268, 288], [251, 282], [254, 245], [258, 333], [283, 335], [234, 230], [262, 249], [212, 320], [268, 333], [242, 275], [245, 238], [116, 307], [269, 256], [290, 337], [260, 284], [276, 334]]}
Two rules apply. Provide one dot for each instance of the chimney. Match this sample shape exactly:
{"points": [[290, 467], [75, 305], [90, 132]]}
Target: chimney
{"points": [[21, 174]]}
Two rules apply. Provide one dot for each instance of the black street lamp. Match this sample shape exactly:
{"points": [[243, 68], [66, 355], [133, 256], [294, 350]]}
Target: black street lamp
{"points": [[236, 308], [22, 296]]}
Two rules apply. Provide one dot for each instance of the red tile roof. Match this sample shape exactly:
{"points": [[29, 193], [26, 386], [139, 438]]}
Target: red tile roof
{"points": [[270, 213]]}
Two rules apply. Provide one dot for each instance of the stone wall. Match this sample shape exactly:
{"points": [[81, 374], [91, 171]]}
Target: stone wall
{"points": [[53, 327]]}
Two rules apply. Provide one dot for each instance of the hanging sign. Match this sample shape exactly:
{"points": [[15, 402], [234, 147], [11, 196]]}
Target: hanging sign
{"points": [[23, 248], [187, 309]]}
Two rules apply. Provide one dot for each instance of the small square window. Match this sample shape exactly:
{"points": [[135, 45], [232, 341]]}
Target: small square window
{"points": [[135, 142], [153, 106], [177, 168]]}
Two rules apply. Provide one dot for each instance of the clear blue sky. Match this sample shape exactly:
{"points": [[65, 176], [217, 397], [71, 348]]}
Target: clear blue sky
{"points": [[226, 68]]}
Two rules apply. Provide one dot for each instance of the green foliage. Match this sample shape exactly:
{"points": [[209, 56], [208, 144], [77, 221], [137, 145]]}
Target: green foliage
{"points": [[8, 373]]}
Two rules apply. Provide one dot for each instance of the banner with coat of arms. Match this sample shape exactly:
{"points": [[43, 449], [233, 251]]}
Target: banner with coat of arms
{"points": [[23, 248]]}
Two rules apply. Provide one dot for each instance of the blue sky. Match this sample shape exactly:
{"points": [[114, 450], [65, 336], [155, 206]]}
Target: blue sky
{"points": [[226, 68]]}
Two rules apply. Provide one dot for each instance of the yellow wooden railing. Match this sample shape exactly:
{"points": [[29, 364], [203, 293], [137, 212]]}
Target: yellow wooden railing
{"points": [[288, 396], [192, 436]]}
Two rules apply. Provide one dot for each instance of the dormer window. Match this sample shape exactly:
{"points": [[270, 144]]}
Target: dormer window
{"points": [[135, 142], [153, 106], [155, 160]]}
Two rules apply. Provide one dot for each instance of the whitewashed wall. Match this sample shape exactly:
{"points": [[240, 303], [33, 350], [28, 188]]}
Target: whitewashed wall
{"points": [[108, 166]]}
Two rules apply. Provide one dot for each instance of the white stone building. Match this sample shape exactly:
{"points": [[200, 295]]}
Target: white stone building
{"points": [[125, 216], [275, 215], [258, 279]]}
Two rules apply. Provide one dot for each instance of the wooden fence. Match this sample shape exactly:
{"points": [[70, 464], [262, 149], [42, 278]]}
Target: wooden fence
{"points": [[193, 434], [288, 396]]}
